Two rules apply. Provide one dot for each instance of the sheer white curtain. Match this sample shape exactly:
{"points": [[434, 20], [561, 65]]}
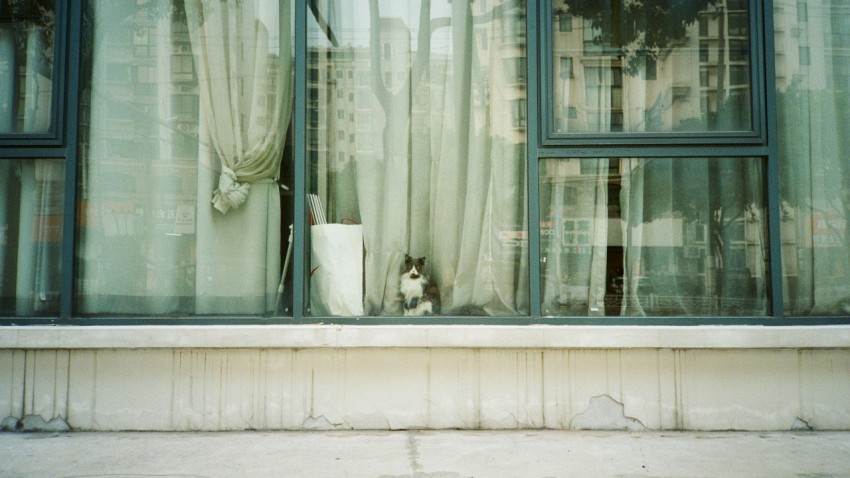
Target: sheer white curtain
{"points": [[577, 250], [243, 59], [575, 246], [813, 112], [132, 261], [478, 180], [439, 167], [188, 116]]}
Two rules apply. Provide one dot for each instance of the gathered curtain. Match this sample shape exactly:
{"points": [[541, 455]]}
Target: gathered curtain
{"points": [[188, 116], [243, 59]]}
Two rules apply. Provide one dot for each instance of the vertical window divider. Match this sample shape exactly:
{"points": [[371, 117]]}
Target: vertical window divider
{"points": [[72, 36], [773, 201], [532, 140], [300, 149]]}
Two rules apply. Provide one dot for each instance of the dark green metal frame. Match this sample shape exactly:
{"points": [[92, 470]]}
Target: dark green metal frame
{"points": [[761, 142]]}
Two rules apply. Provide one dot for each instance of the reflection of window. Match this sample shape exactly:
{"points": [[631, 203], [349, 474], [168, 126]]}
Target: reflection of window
{"points": [[804, 56], [738, 50], [802, 12], [738, 75], [515, 70], [182, 67], [651, 71], [738, 24], [565, 67], [184, 107], [518, 113], [513, 27], [565, 22], [703, 51], [604, 98]]}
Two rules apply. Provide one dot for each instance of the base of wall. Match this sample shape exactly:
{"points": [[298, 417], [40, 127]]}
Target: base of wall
{"points": [[427, 388]]}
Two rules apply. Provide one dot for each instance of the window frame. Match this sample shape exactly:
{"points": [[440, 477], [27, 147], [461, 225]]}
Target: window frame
{"points": [[544, 143], [63, 143], [547, 118], [55, 136]]}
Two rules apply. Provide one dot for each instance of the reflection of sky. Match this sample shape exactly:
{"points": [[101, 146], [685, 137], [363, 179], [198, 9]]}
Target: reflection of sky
{"points": [[349, 20], [267, 12]]}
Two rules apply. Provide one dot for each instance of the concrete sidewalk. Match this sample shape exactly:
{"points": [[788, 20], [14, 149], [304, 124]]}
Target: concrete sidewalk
{"points": [[427, 454]]}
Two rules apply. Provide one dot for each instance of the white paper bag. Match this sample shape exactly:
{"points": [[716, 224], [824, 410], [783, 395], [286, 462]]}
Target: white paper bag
{"points": [[336, 284]]}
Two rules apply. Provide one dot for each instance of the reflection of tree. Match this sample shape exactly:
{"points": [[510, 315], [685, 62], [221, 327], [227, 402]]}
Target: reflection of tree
{"points": [[397, 105], [637, 28], [38, 13], [720, 195]]}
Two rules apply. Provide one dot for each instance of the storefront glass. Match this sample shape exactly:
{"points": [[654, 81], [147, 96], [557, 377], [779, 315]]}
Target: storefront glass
{"points": [[416, 128], [813, 114], [653, 237], [185, 162]]}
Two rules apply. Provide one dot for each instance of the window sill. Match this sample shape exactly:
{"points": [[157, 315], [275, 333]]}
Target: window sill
{"points": [[422, 336]]}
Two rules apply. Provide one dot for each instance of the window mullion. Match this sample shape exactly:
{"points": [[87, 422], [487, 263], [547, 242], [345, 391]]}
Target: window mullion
{"points": [[71, 102], [773, 201], [532, 134], [299, 275]]}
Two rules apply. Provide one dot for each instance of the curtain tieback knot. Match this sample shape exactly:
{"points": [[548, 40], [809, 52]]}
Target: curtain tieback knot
{"points": [[230, 193]]}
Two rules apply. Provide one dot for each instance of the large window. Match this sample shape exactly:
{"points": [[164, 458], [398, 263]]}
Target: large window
{"points": [[655, 66], [561, 161], [183, 190], [813, 115], [428, 161], [653, 236]]}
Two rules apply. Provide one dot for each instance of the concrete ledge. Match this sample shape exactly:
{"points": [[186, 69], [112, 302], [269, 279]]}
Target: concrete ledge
{"points": [[424, 336]]}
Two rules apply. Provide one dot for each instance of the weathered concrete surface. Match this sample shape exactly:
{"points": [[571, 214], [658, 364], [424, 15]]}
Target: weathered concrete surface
{"points": [[418, 388], [427, 454]]}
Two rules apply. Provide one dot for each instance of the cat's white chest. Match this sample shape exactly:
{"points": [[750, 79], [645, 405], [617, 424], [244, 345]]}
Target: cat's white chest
{"points": [[411, 288]]}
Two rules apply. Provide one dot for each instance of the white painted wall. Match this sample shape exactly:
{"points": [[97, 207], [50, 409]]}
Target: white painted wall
{"points": [[204, 388]]}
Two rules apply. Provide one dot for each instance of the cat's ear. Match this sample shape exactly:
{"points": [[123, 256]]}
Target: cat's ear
{"points": [[407, 258], [421, 259]]}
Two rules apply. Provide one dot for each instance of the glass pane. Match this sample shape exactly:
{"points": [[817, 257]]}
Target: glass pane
{"points": [[813, 114], [31, 203], [654, 66], [185, 159], [27, 31], [416, 117], [653, 237]]}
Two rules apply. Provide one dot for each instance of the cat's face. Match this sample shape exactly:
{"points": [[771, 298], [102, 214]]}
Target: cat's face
{"points": [[413, 266]]}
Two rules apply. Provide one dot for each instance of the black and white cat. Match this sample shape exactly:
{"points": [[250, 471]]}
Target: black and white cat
{"points": [[418, 294]]}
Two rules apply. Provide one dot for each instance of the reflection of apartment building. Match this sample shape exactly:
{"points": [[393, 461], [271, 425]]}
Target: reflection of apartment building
{"points": [[350, 85], [145, 119], [601, 86], [805, 27]]}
